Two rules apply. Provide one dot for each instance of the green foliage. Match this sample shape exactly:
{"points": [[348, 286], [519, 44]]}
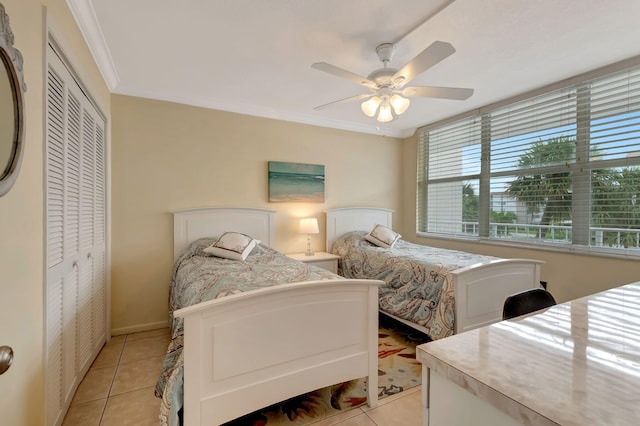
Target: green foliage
{"points": [[503, 217], [549, 191], [557, 234], [470, 203], [616, 198], [615, 193], [620, 239]]}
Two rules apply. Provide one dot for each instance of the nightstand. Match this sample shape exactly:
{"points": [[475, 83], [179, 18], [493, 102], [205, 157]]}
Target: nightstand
{"points": [[324, 260]]}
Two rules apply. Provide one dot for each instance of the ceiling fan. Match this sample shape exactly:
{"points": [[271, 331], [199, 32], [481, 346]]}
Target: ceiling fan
{"points": [[388, 94]]}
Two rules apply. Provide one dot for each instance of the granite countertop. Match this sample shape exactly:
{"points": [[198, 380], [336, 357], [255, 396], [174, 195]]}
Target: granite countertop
{"points": [[577, 363]]}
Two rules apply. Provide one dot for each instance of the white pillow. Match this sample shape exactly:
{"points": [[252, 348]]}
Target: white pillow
{"points": [[232, 245], [382, 236]]}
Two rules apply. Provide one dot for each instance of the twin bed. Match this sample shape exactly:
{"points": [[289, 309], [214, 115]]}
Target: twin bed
{"points": [[437, 291], [273, 334], [261, 343]]}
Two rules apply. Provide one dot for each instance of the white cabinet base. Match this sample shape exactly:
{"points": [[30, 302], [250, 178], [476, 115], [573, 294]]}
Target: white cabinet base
{"points": [[447, 404]]}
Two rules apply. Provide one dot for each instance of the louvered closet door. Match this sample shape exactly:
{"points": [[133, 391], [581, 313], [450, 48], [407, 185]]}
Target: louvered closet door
{"points": [[75, 218], [99, 324], [62, 267], [85, 308]]}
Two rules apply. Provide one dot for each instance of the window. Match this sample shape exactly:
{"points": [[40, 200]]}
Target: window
{"points": [[561, 168]]}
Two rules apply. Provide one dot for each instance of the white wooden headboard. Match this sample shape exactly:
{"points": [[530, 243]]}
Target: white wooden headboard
{"points": [[340, 221], [191, 224]]}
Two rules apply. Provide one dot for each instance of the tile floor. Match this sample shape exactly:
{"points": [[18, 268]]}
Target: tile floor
{"points": [[118, 390]]}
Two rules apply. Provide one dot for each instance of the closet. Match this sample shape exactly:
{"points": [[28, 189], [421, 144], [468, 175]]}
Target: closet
{"points": [[75, 229]]}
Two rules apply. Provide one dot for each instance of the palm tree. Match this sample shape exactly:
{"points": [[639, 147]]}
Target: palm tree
{"points": [[615, 193], [549, 191], [470, 203], [616, 204]]}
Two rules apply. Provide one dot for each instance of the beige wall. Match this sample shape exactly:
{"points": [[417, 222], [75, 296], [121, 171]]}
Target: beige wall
{"points": [[21, 213], [569, 276], [167, 156]]}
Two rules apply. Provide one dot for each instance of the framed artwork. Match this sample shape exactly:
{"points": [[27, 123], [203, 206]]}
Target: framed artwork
{"points": [[296, 182]]}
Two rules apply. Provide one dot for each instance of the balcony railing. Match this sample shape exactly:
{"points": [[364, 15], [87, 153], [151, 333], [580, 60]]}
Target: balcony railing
{"points": [[600, 237]]}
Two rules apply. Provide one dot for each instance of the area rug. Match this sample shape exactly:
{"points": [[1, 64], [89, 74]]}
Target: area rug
{"points": [[398, 370]]}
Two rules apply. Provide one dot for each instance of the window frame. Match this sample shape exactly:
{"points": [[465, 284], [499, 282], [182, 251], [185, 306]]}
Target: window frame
{"points": [[581, 169]]}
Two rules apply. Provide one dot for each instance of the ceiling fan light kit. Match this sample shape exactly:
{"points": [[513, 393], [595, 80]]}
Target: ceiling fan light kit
{"points": [[385, 105], [388, 97]]}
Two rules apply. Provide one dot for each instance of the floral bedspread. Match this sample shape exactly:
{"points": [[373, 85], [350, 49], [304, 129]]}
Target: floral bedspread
{"points": [[418, 282], [198, 277]]}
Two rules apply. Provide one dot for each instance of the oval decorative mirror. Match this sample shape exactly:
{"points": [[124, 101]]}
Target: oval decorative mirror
{"points": [[12, 88]]}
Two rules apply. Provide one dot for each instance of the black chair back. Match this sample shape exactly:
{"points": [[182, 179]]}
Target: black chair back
{"points": [[527, 301]]}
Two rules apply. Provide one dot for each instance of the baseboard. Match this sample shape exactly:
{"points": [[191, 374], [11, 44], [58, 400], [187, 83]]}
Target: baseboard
{"points": [[139, 328]]}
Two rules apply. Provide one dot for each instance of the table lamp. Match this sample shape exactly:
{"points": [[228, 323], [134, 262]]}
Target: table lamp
{"points": [[309, 225]]}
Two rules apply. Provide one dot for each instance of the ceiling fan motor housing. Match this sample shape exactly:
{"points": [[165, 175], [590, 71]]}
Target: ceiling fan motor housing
{"points": [[384, 51], [383, 76]]}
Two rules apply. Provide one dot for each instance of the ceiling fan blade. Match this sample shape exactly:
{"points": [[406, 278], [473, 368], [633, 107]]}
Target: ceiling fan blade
{"points": [[339, 72], [349, 99], [429, 57], [455, 93]]}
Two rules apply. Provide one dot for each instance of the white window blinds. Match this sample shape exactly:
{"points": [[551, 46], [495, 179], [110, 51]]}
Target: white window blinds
{"points": [[614, 160], [449, 163], [559, 168]]}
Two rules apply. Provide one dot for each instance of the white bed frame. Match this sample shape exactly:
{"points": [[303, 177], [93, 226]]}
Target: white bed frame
{"points": [[479, 290], [247, 351]]}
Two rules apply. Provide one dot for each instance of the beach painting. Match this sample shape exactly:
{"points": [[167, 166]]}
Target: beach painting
{"points": [[296, 182]]}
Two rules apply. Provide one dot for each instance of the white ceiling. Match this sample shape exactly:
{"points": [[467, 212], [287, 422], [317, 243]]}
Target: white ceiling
{"points": [[254, 56]]}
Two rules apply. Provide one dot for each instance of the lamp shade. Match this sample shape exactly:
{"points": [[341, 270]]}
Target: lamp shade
{"points": [[399, 104], [371, 106], [385, 115], [309, 225]]}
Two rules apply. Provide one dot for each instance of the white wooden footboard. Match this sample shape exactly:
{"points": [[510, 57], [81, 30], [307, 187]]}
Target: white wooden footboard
{"points": [[480, 290], [247, 351]]}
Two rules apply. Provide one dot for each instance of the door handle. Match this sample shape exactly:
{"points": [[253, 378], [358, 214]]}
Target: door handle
{"points": [[6, 358]]}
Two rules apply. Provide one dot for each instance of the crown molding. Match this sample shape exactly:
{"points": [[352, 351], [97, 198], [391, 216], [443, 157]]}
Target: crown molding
{"points": [[85, 16]]}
